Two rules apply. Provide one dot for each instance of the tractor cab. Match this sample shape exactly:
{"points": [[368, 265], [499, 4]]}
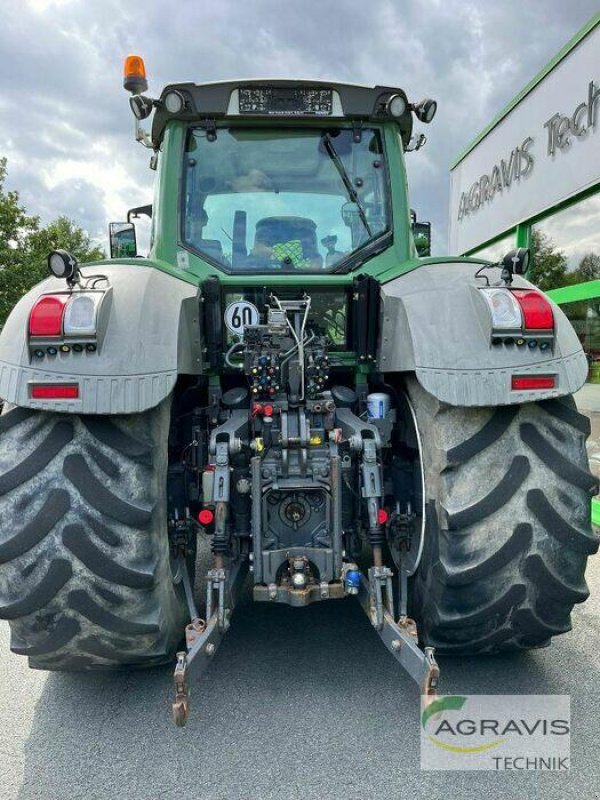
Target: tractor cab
{"points": [[277, 177]]}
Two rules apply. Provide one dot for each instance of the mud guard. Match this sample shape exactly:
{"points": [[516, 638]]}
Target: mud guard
{"points": [[435, 324], [150, 336]]}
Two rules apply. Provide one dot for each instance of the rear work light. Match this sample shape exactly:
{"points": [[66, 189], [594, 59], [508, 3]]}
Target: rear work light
{"points": [[54, 391], [46, 317], [537, 311], [520, 382]]}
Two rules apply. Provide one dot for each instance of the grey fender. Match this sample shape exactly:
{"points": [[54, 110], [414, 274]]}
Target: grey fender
{"points": [[436, 324], [150, 335]]}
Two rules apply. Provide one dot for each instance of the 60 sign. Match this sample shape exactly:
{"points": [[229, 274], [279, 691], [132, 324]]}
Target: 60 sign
{"points": [[240, 314]]}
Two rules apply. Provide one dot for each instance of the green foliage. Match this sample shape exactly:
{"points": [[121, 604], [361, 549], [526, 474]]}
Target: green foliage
{"points": [[548, 268], [588, 270], [63, 233], [24, 246], [422, 244], [589, 267]]}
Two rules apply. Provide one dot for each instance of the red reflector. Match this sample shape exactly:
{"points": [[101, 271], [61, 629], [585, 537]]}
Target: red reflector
{"points": [[268, 411], [55, 391], [206, 516], [533, 382], [382, 516], [537, 311], [46, 316]]}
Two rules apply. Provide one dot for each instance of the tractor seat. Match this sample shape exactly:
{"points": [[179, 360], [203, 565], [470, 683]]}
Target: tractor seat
{"points": [[287, 239]]}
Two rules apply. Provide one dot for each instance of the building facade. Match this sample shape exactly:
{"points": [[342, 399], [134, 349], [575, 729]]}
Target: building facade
{"points": [[532, 179]]}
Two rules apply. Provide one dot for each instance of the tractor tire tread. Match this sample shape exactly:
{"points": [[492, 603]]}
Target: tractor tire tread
{"points": [[86, 578], [508, 527]]}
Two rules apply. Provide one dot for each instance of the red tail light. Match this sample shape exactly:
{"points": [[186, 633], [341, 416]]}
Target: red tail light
{"points": [[54, 391], [520, 382], [537, 311], [46, 317]]}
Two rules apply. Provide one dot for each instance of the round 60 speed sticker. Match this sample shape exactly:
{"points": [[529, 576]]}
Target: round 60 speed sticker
{"points": [[239, 314]]}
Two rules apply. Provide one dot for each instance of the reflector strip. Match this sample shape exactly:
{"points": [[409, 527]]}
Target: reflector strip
{"points": [[54, 391], [382, 516], [520, 382], [206, 516]]}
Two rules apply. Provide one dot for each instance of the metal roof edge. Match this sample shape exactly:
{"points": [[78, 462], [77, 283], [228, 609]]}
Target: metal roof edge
{"points": [[578, 291]]}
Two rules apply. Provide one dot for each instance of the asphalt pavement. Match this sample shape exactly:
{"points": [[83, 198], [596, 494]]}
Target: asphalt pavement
{"points": [[299, 703]]}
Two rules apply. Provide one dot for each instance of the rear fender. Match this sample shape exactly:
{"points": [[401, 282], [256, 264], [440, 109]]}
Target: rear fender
{"points": [[435, 324], [150, 335]]}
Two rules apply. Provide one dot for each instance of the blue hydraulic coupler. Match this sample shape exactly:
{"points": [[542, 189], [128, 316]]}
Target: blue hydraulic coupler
{"points": [[352, 581]]}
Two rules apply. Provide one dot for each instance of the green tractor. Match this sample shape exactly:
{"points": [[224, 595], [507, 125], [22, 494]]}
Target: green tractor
{"points": [[285, 390]]}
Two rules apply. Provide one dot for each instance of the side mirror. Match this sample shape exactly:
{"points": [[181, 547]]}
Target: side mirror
{"points": [[122, 240], [422, 236], [139, 211], [516, 261]]}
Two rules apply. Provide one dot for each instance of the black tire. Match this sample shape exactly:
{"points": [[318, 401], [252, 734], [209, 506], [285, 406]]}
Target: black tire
{"points": [[86, 580], [508, 528]]}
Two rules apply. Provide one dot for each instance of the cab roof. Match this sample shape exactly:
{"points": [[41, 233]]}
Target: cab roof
{"points": [[281, 100]]}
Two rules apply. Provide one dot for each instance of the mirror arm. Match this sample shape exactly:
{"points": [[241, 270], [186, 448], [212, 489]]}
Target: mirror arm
{"points": [[141, 135]]}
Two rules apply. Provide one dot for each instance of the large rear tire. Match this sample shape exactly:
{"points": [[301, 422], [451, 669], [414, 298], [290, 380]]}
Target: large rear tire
{"points": [[508, 527], [86, 580]]}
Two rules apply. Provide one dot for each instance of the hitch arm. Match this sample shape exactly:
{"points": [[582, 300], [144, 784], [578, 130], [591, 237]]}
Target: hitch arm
{"points": [[203, 638], [400, 638]]}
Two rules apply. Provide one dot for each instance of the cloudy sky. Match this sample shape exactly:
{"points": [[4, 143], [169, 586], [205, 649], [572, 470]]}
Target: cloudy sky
{"points": [[65, 123]]}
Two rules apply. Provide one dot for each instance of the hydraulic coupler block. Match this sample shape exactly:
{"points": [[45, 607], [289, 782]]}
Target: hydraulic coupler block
{"points": [[264, 375]]}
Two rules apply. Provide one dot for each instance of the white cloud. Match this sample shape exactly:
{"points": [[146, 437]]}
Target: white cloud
{"points": [[43, 5], [65, 122]]}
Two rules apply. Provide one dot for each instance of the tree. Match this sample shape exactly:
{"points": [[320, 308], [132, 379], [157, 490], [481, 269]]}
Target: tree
{"points": [[589, 267], [65, 234], [15, 224], [548, 268], [15, 228], [24, 246]]}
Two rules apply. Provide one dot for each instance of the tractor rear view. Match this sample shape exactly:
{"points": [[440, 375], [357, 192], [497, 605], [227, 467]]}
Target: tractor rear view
{"points": [[284, 390]]}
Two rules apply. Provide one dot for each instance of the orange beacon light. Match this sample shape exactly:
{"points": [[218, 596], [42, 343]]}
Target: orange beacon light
{"points": [[134, 75]]}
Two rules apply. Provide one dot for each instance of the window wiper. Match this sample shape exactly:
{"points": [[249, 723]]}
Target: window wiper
{"points": [[353, 262], [352, 193]]}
